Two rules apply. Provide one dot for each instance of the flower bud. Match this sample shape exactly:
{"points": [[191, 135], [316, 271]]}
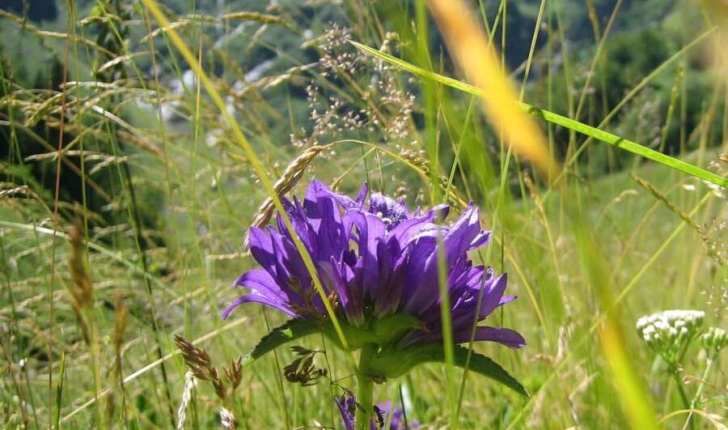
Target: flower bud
{"points": [[715, 339]]}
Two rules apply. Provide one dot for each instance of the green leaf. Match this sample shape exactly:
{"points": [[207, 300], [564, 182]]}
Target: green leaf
{"points": [[554, 118], [289, 331], [391, 363], [487, 367]]}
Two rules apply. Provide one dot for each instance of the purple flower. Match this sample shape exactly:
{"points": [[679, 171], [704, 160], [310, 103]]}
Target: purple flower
{"points": [[397, 422], [347, 408], [377, 260]]}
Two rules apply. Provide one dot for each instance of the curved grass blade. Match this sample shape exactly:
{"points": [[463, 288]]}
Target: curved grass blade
{"points": [[561, 120]]}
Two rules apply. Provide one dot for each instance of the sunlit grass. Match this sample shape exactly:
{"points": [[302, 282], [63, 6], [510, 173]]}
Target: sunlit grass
{"points": [[204, 183]]}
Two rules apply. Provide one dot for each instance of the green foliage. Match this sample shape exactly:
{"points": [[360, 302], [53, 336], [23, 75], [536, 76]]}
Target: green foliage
{"points": [[167, 198], [392, 363]]}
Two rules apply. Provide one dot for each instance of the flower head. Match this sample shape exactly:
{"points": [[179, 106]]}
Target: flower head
{"points": [[375, 260], [670, 332], [715, 339]]}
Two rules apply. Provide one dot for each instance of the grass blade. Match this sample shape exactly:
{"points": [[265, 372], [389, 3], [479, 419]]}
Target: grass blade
{"points": [[554, 118]]}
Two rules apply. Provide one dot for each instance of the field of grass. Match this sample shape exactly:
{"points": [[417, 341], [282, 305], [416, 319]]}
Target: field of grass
{"points": [[95, 291]]}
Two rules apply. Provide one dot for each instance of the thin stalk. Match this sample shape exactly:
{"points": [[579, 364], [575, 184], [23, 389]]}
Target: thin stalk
{"points": [[447, 331], [681, 390], [95, 349], [699, 391], [59, 391], [365, 388], [56, 218], [279, 380]]}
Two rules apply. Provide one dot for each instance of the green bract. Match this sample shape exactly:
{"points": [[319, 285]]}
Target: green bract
{"points": [[389, 360]]}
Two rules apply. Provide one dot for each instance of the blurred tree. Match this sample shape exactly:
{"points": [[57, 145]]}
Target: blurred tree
{"points": [[34, 10]]}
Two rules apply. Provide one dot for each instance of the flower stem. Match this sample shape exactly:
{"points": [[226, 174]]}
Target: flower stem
{"points": [[699, 391], [365, 388], [681, 390]]}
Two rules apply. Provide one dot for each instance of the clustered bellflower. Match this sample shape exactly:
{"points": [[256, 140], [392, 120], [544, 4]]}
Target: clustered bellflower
{"points": [[378, 265], [376, 260]]}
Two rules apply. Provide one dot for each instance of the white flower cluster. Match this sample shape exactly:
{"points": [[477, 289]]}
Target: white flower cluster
{"points": [[715, 339], [669, 332]]}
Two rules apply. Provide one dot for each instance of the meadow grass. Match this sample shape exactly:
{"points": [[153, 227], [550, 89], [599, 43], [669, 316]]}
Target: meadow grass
{"points": [[587, 257]]}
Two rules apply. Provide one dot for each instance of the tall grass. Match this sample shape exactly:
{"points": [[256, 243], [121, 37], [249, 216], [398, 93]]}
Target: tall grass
{"points": [[183, 143]]}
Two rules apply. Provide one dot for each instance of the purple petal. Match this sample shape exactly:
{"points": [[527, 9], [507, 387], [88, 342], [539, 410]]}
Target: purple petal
{"points": [[456, 243], [493, 295], [504, 336], [317, 200], [261, 247], [333, 281], [349, 299], [261, 282], [397, 421], [301, 229], [470, 279], [506, 299], [480, 240], [347, 408], [391, 277], [371, 230], [420, 289], [407, 230], [439, 212], [255, 298], [332, 237], [362, 193], [288, 264], [318, 191], [462, 233]]}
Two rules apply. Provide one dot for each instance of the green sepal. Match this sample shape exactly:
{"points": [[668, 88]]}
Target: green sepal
{"points": [[356, 337], [380, 332], [287, 332], [393, 362], [393, 327]]}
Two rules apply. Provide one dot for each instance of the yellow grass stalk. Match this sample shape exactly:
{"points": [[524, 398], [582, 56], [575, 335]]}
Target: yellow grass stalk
{"points": [[469, 46], [632, 396]]}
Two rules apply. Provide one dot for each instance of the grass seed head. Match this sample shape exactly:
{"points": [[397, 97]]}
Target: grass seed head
{"points": [[82, 289]]}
